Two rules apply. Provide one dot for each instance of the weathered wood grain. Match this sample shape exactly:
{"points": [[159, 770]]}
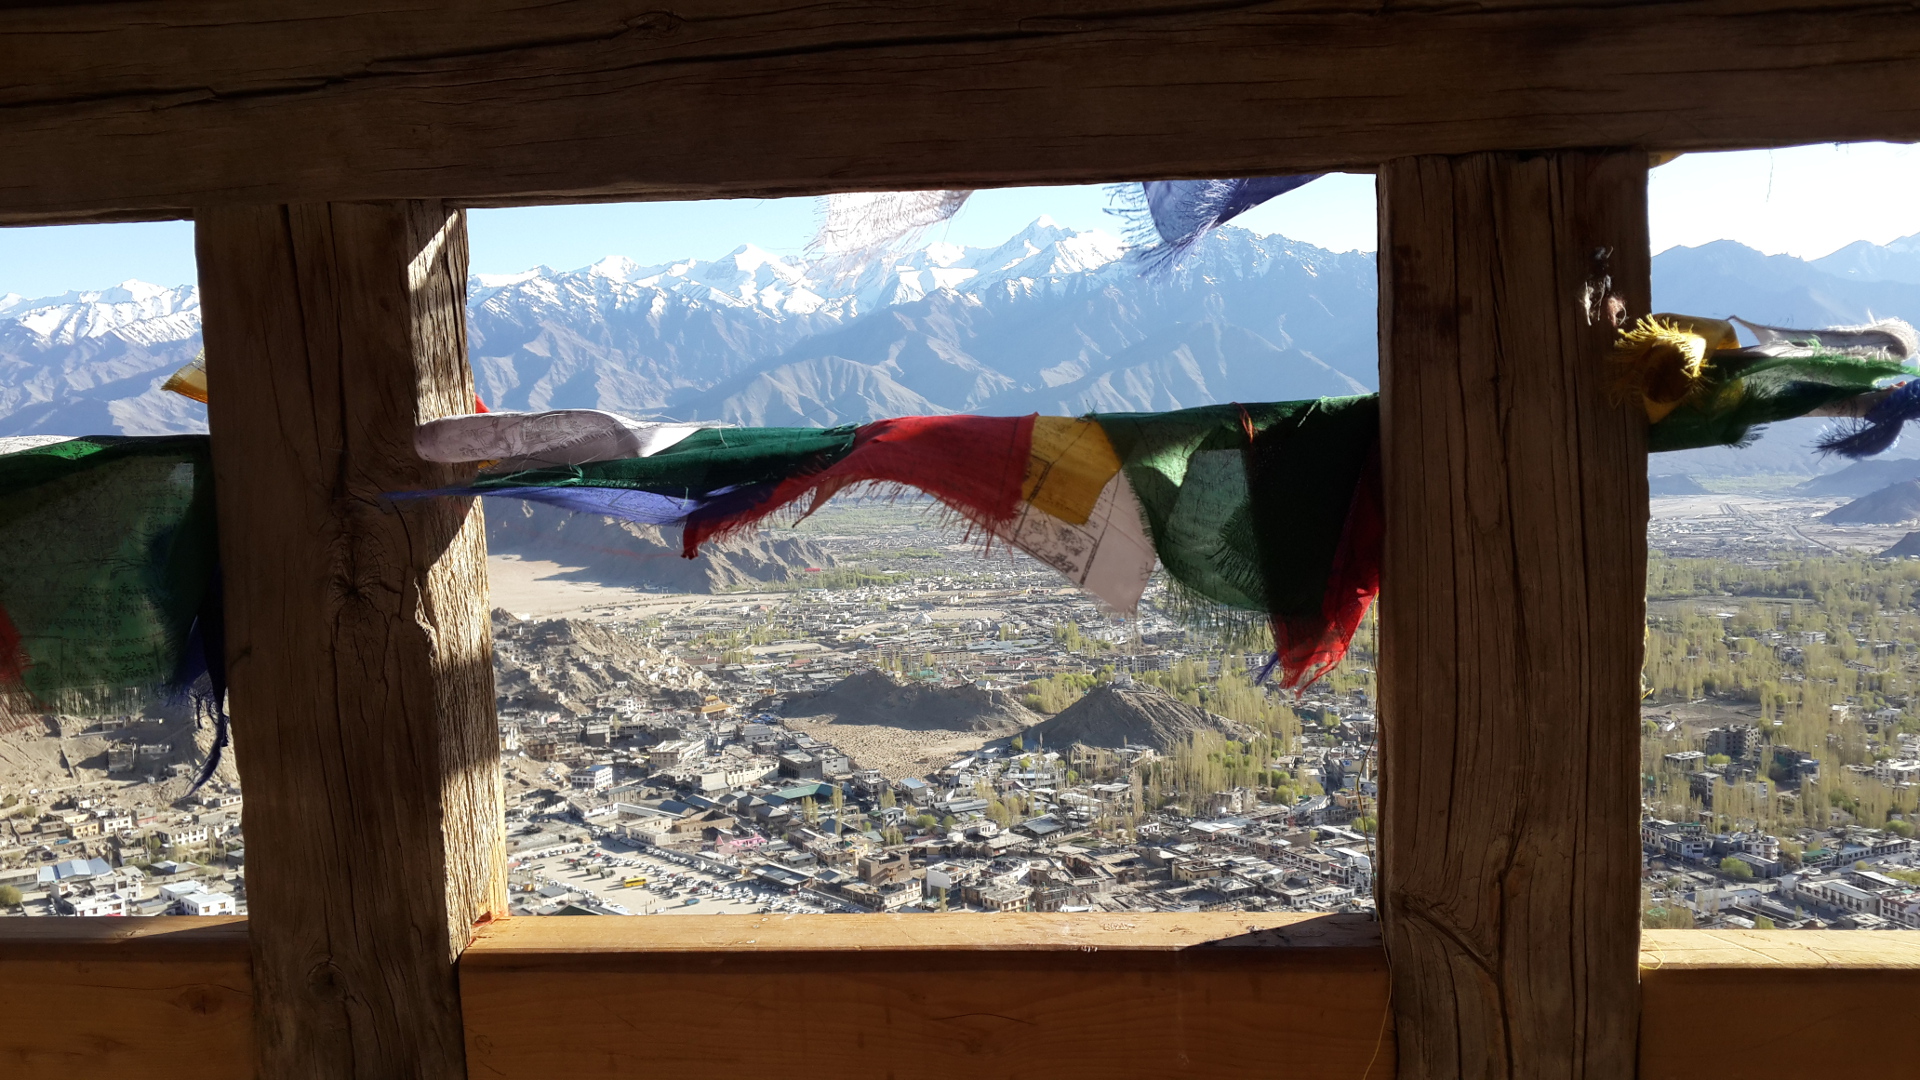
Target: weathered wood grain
{"points": [[167, 998], [155, 106], [358, 648], [1074, 997], [1512, 611]]}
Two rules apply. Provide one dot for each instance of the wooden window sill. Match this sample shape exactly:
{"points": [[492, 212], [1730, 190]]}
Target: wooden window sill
{"points": [[1059, 996]]}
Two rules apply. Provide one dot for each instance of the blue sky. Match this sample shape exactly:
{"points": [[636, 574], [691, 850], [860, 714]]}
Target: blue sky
{"points": [[1804, 201]]}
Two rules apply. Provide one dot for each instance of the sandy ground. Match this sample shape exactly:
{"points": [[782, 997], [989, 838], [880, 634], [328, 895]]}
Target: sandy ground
{"points": [[528, 587], [1736, 525], [896, 752]]}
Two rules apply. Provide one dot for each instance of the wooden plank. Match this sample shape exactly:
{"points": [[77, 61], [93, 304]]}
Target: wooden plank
{"points": [[160, 105], [1053, 997], [166, 997], [1512, 611], [358, 650], [1828, 1002], [555, 941], [1757, 952]]}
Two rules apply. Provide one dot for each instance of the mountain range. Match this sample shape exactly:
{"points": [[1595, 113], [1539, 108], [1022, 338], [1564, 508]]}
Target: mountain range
{"points": [[1052, 320]]}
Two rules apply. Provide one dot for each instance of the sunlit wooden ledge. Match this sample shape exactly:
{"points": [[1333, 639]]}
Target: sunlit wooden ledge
{"points": [[1060, 996], [154, 998], [1057, 996], [1802, 1002]]}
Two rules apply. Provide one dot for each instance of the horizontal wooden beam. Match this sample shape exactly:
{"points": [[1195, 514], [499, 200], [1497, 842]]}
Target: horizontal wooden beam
{"points": [[150, 107], [169, 997], [566, 942], [1059, 997], [1804, 1002], [166, 997]]}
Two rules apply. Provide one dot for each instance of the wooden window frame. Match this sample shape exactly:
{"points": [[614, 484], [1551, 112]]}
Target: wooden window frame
{"points": [[335, 134]]}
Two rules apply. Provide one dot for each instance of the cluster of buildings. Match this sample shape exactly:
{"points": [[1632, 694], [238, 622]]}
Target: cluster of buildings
{"points": [[1736, 754], [1845, 878], [994, 830], [992, 627], [93, 855]]}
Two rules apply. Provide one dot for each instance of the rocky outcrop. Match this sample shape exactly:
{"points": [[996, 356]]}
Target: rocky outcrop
{"points": [[608, 551]]}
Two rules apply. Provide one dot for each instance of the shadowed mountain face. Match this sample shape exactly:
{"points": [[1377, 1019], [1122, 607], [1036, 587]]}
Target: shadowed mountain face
{"points": [[1861, 477], [1894, 504], [607, 551]]}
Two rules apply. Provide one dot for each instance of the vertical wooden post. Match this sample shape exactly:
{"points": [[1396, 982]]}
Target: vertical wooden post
{"points": [[1512, 612], [358, 648]]}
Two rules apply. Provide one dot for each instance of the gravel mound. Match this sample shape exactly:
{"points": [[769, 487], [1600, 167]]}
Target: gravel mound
{"points": [[873, 697], [1674, 484], [1113, 716]]}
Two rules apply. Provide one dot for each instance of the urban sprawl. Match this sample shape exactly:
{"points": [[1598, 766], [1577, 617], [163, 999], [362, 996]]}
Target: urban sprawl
{"points": [[913, 728]]}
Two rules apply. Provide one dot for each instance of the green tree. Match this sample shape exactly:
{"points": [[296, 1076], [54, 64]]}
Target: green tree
{"points": [[9, 896], [1761, 922], [887, 799], [1736, 869], [1667, 918], [1901, 827]]}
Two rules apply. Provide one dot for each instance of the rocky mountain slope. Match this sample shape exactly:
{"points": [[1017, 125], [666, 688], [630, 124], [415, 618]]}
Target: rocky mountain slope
{"points": [[1051, 320], [564, 665], [1861, 477], [607, 551], [1894, 504]]}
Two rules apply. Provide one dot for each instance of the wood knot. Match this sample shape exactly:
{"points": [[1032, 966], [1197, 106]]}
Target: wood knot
{"points": [[656, 24], [325, 981]]}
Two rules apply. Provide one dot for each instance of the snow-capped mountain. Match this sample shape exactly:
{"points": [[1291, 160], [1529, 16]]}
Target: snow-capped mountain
{"points": [[1051, 320], [93, 362]]}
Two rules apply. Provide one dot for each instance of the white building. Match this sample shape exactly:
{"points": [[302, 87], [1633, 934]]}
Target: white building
{"points": [[100, 903], [207, 903], [593, 777]]}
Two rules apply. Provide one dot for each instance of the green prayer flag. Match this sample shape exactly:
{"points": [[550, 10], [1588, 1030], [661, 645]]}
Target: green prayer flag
{"points": [[108, 556]]}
